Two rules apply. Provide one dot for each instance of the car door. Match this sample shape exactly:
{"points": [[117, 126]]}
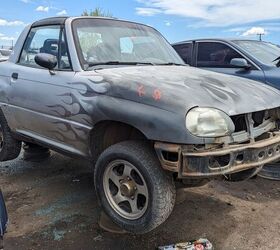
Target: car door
{"points": [[216, 56], [40, 100]]}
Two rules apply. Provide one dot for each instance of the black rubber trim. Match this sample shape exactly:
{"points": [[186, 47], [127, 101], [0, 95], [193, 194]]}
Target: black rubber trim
{"points": [[50, 21]]}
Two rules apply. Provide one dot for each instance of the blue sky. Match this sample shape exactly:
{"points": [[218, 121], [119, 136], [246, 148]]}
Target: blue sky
{"points": [[175, 19]]}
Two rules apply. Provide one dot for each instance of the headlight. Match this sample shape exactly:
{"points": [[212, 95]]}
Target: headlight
{"points": [[209, 122]]}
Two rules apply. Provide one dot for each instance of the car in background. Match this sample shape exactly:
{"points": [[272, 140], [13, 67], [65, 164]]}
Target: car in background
{"points": [[3, 219], [256, 60], [5, 54]]}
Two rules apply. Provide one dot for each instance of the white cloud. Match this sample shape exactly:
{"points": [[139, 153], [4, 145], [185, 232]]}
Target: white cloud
{"points": [[26, 1], [167, 23], [62, 13], [215, 12], [6, 38], [42, 8], [147, 11], [254, 31], [4, 22]]}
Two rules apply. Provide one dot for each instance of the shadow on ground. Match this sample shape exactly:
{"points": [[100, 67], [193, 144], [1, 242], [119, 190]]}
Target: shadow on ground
{"points": [[52, 205]]}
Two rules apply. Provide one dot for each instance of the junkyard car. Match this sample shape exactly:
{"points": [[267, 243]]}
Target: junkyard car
{"points": [[256, 60], [4, 54], [3, 219], [117, 93]]}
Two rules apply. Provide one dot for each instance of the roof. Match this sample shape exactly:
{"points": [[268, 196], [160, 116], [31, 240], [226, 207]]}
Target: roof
{"points": [[216, 39], [62, 20], [50, 21]]}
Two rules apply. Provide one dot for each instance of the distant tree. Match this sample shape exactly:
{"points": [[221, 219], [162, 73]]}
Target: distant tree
{"points": [[97, 12]]}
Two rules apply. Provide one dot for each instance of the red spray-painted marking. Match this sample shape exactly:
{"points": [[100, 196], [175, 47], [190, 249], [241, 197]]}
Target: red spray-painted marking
{"points": [[157, 94], [141, 90]]}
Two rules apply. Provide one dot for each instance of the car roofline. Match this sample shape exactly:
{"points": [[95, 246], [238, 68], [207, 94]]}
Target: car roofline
{"points": [[215, 39], [61, 20]]}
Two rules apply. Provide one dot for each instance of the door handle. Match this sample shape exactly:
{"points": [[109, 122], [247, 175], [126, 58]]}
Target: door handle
{"points": [[15, 76]]}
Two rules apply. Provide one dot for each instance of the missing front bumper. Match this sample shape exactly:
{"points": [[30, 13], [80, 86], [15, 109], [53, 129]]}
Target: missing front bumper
{"points": [[211, 163]]}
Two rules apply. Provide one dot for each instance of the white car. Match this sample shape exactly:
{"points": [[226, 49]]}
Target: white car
{"points": [[4, 54]]}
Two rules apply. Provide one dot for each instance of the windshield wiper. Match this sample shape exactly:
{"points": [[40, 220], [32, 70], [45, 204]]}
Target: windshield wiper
{"points": [[278, 63], [90, 65], [170, 64]]}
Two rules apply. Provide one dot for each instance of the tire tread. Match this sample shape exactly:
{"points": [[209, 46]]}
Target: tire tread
{"points": [[164, 190], [12, 147]]}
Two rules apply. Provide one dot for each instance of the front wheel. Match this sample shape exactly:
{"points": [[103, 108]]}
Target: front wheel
{"points": [[133, 189]]}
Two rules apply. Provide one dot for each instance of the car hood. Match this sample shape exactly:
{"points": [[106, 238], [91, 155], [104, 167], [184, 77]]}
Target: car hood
{"points": [[3, 58], [272, 76], [177, 88]]}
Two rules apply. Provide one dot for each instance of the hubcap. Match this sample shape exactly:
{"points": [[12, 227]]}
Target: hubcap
{"points": [[128, 188], [125, 189]]}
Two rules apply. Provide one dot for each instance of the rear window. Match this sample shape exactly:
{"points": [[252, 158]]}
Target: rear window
{"points": [[185, 52]]}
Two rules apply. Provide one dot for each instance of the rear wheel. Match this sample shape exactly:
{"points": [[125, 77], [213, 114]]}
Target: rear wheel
{"points": [[9, 146], [133, 189]]}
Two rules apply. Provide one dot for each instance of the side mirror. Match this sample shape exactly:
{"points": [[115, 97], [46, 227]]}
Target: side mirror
{"points": [[47, 61], [240, 63]]}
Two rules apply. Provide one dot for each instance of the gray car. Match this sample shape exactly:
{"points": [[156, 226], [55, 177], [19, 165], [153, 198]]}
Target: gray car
{"points": [[116, 93], [256, 60]]}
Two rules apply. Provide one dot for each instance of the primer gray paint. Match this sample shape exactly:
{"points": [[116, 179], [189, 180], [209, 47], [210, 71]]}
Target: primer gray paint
{"points": [[62, 109]]}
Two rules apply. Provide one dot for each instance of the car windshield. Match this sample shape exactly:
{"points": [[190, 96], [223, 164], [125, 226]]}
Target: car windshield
{"points": [[113, 42], [263, 51]]}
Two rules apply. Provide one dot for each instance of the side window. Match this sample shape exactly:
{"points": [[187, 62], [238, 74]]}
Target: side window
{"points": [[45, 40], [185, 52], [214, 54]]}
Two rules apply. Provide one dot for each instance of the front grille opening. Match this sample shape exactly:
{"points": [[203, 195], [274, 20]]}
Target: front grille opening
{"points": [[170, 156], [239, 123], [263, 137], [219, 161], [258, 118], [240, 120]]}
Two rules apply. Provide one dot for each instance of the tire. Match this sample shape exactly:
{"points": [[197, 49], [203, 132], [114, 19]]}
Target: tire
{"points": [[157, 186], [9, 146], [243, 175]]}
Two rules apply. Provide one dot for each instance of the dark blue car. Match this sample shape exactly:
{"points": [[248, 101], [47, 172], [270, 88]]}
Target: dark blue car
{"points": [[3, 219], [252, 59]]}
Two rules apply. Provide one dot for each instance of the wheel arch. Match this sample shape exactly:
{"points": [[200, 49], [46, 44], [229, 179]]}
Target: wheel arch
{"points": [[109, 132]]}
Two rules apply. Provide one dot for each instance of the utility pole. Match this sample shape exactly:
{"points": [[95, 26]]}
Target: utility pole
{"points": [[260, 36]]}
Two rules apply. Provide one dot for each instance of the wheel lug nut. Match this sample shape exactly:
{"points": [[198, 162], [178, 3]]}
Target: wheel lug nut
{"points": [[135, 188], [132, 197]]}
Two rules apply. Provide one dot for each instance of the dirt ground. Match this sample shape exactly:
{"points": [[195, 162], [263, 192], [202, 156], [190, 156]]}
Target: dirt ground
{"points": [[52, 205]]}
